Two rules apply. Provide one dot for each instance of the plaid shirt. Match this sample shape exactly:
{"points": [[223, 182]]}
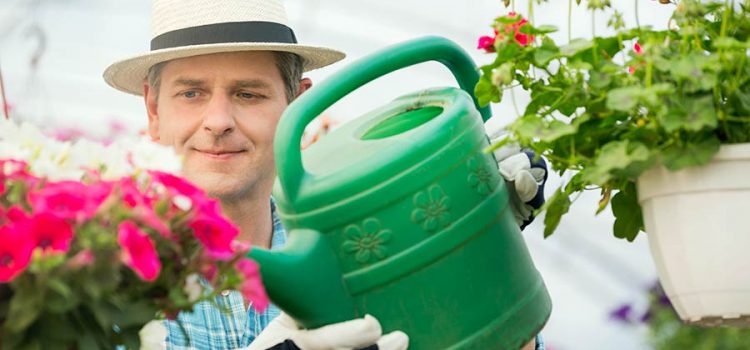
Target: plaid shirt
{"points": [[207, 327]]}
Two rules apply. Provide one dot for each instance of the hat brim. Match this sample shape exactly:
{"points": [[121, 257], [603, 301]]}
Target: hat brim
{"points": [[128, 75]]}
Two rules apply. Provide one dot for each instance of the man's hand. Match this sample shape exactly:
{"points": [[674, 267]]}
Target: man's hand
{"points": [[525, 177], [363, 333]]}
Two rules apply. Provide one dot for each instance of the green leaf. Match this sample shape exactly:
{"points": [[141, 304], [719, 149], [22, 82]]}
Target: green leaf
{"points": [[557, 206], [691, 114], [624, 98], [730, 43], [486, 92], [532, 127], [605, 49], [599, 80], [575, 46], [24, 309], [60, 298], [542, 29], [541, 98], [741, 101], [546, 52], [618, 158], [627, 212], [692, 69], [133, 314], [507, 52], [678, 156]]}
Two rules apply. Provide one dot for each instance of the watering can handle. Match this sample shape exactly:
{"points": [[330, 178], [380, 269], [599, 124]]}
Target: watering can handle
{"points": [[313, 102]]}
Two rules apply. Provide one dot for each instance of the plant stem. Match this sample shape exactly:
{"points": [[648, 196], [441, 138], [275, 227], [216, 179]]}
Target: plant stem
{"points": [[513, 100], [6, 110], [570, 18], [637, 21], [593, 23], [725, 18]]}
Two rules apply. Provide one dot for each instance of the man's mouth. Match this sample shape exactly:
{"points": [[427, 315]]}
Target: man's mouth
{"points": [[219, 154]]}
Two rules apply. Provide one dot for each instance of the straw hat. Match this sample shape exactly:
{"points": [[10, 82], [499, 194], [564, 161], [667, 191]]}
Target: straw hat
{"points": [[184, 28]]}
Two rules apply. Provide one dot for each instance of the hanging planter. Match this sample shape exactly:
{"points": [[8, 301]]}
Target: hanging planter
{"points": [[699, 233], [658, 121]]}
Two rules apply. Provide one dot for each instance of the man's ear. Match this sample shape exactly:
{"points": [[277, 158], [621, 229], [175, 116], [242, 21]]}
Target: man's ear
{"points": [[304, 84], [150, 99]]}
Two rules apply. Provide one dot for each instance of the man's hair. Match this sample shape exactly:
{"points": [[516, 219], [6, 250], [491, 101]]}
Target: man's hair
{"points": [[290, 65]]}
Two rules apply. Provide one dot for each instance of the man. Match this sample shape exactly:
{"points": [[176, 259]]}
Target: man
{"points": [[217, 79]]}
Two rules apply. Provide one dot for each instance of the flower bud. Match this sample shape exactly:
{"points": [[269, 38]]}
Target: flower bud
{"points": [[503, 75]]}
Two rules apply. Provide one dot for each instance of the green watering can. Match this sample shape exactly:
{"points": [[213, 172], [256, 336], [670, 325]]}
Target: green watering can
{"points": [[401, 215]]}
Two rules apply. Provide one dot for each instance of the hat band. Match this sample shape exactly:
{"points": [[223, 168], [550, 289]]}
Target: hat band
{"points": [[232, 32]]}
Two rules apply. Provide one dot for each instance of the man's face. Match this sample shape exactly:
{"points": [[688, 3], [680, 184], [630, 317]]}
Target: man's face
{"points": [[220, 112]]}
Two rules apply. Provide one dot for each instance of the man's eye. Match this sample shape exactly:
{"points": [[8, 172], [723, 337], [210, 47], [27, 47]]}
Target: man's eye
{"points": [[190, 94], [247, 95]]}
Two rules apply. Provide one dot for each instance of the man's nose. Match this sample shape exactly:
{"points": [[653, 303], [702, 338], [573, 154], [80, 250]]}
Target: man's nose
{"points": [[219, 118]]}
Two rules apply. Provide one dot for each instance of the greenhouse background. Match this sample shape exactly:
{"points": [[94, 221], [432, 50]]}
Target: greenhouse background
{"points": [[53, 52]]}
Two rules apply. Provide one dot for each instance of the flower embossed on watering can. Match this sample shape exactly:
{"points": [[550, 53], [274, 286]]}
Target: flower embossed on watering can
{"points": [[400, 214]]}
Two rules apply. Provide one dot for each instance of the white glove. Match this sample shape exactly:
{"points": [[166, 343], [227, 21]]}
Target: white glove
{"points": [[355, 334], [525, 177]]}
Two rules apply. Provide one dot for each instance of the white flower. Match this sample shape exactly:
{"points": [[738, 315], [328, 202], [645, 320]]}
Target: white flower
{"points": [[153, 336], [193, 287], [58, 160], [182, 202], [149, 155]]}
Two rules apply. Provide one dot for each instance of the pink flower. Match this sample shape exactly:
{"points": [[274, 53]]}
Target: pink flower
{"points": [[252, 286], [16, 214], [176, 184], [51, 233], [10, 170], [13, 168], [70, 199], [142, 206], [209, 271], [486, 43], [81, 259], [216, 234], [138, 251], [15, 252]]}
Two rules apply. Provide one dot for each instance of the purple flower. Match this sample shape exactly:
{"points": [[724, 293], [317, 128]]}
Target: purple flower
{"points": [[622, 313]]}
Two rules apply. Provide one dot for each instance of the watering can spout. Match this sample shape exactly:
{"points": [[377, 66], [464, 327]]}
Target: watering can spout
{"points": [[305, 280]]}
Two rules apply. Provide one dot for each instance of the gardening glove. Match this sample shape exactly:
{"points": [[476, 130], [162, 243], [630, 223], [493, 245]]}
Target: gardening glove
{"points": [[525, 176], [363, 333]]}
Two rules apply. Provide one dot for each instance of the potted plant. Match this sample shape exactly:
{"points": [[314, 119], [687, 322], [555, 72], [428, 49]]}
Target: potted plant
{"points": [[658, 121], [97, 242]]}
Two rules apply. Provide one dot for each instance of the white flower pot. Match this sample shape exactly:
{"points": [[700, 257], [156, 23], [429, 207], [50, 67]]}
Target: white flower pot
{"points": [[697, 222]]}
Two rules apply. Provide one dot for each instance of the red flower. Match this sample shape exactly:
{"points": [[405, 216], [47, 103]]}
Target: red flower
{"points": [[15, 252], [216, 234], [638, 51], [51, 233], [138, 251], [486, 43], [70, 199], [515, 29], [252, 286]]}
